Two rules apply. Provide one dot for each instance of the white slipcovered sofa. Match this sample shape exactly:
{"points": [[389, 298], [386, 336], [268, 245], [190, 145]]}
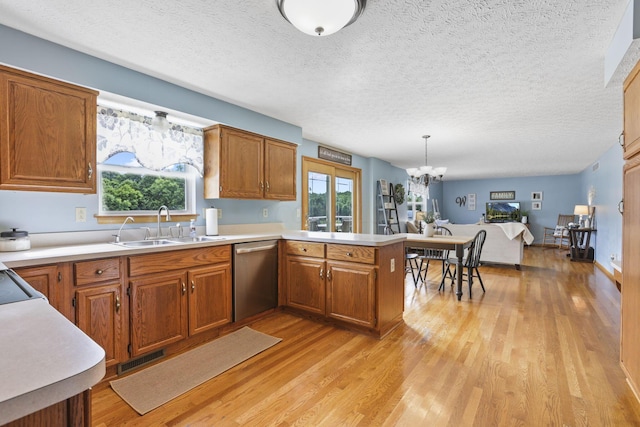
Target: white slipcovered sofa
{"points": [[504, 243]]}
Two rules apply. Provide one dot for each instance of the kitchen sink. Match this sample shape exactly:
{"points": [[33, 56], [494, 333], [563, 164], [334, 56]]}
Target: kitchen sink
{"points": [[147, 243], [196, 239]]}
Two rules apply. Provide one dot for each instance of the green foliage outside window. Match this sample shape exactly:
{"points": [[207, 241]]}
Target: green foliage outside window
{"points": [[318, 204], [133, 192]]}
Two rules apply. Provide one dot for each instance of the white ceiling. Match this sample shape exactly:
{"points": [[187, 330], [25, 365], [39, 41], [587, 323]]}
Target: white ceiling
{"points": [[504, 87]]}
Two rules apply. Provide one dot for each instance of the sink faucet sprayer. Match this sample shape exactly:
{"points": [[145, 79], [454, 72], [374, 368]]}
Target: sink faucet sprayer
{"points": [[168, 217], [117, 236]]}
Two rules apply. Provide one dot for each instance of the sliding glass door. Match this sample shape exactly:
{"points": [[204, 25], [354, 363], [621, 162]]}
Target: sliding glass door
{"points": [[331, 202]]}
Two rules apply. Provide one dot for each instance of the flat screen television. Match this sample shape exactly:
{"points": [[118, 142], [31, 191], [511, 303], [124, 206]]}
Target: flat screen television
{"points": [[503, 212]]}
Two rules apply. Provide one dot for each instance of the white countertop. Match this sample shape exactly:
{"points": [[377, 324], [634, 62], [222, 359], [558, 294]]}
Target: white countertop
{"points": [[44, 359], [76, 252]]}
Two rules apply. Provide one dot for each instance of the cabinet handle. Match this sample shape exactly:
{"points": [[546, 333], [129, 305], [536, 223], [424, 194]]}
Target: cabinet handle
{"points": [[304, 249], [117, 302], [193, 286], [59, 276], [349, 254], [261, 186], [322, 273], [621, 206], [184, 288], [99, 272], [329, 274], [90, 171], [267, 186]]}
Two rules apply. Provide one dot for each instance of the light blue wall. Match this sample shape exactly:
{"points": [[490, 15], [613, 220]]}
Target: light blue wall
{"points": [[560, 194], [607, 181]]}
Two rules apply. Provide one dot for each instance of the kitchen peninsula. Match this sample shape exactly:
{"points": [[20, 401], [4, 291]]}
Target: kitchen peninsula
{"points": [[360, 276]]}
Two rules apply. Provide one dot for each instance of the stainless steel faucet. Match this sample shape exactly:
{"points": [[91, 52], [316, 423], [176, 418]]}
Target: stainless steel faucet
{"points": [[167, 218], [117, 236]]}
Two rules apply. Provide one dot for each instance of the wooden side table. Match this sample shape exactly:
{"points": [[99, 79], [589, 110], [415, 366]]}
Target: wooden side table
{"points": [[580, 249]]}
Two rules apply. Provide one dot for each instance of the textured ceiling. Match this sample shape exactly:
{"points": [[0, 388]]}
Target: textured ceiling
{"points": [[504, 87]]}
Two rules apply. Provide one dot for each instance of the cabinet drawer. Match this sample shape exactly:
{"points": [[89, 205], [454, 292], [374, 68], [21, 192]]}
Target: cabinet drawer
{"points": [[363, 254], [90, 272], [305, 248]]}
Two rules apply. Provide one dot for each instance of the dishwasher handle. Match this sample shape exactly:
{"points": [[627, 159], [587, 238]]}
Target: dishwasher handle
{"points": [[256, 249]]}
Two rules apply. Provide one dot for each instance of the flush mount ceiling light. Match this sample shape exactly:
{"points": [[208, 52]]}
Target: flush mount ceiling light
{"points": [[160, 122], [321, 17]]}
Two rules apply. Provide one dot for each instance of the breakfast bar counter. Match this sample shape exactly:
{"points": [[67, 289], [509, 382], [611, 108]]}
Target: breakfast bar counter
{"points": [[45, 359]]}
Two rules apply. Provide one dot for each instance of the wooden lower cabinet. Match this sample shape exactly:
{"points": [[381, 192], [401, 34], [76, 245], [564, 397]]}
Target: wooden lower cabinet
{"points": [[72, 412], [158, 311], [50, 281], [99, 315], [168, 306], [306, 284], [351, 292], [210, 297], [101, 307], [353, 285]]}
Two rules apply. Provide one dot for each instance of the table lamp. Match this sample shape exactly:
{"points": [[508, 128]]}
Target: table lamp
{"points": [[581, 210]]}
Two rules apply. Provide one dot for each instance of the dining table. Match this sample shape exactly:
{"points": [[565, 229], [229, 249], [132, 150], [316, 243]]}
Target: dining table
{"points": [[455, 244]]}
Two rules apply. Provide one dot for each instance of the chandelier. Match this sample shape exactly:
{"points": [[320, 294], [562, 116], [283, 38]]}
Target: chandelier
{"points": [[421, 177]]}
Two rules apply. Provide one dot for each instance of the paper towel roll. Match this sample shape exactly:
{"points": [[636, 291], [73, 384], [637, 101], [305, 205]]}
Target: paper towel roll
{"points": [[211, 219]]}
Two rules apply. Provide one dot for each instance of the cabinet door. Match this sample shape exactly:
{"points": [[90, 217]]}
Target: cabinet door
{"points": [[279, 170], [48, 141], [351, 292], [158, 311], [52, 282], [99, 314], [305, 284], [630, 298], [210, 299], [241, 165]]}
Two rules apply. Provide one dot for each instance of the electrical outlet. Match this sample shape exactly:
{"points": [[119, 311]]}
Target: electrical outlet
{"points": [[265, 213], [219, 213], [298, 213], [393, 265], [81, 214]]}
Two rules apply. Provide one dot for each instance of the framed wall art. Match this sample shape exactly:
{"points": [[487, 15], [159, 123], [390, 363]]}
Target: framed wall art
{"points": [[536, 195], [502, 195], [536, 206]]}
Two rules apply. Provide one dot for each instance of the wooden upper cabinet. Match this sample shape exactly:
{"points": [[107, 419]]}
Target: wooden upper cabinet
{"points": [[245, 165], [279, 170], [47, 134], [632, 113]]}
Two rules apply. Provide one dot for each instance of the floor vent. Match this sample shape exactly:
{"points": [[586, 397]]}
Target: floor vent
{"points": [[139, 362]]}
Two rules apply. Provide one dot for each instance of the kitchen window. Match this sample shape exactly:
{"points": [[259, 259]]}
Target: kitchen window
{"points": [[141, 169]]}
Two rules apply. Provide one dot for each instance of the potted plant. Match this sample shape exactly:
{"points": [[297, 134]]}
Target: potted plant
{"points": [[430, 219], [524, 217]]}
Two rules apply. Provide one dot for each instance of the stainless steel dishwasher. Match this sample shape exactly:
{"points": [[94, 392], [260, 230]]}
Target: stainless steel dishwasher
{"points": [[255, 278]]}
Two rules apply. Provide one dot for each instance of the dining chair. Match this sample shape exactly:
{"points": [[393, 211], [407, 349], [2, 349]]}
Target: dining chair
{"points": [[559, 235], [438, 255], [411, 257], [470, 264]]}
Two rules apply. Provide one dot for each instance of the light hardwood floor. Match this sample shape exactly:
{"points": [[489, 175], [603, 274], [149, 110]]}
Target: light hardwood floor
{"points": [[540, 348]]}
